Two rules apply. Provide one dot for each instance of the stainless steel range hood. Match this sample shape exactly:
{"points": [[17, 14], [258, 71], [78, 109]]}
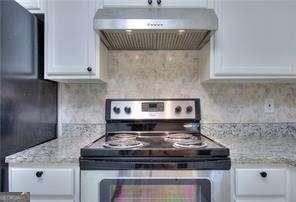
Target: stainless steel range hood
{"points": [[155, 28]]}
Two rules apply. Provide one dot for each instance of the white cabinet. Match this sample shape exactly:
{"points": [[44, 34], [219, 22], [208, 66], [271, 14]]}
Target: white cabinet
{"points": [[184, 3], [262, 184], [163, 3], [73, 50], [262, 200], [255, 40], [46, 184], [249, 182], [34, 6]]}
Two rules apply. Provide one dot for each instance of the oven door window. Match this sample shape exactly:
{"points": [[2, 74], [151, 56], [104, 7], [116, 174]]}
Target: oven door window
{"points": [[155, 190]]}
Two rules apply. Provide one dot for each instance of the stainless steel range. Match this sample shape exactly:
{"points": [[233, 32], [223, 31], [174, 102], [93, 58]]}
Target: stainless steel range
{"points": [[153, 151]]}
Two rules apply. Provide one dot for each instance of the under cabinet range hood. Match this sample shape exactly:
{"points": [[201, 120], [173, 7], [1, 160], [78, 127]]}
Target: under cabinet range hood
{"points": [[155, 28]]}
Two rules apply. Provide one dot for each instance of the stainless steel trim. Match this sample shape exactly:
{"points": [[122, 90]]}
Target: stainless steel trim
{"points": [[147, 24], [138, 114], [220, 180], [154, 28]]}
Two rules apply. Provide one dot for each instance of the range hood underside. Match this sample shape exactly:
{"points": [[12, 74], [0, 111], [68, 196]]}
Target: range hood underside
{"points": [[155, 39]]}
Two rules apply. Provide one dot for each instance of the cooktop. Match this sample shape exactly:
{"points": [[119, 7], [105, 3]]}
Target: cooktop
{"points": [[155, 144]]}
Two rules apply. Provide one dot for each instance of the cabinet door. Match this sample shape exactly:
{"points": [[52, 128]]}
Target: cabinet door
{"points": [[184, 3], [249, 182], [126, 3], [70, 38], [51, 200], [52, 181], [261, 200], [255, 39], [164, 3]]}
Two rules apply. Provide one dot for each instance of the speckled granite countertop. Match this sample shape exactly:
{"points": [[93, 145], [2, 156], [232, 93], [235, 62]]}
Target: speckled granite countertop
{"points": [[261, 150], [64, 150], [244, 149]]}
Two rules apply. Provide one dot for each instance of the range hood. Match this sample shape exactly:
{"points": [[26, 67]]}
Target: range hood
{"points": [[155, 28]]}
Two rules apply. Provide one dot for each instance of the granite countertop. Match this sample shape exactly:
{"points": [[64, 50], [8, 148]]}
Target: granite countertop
{"points": [[64, 150], [261, 149], [243, 149]]}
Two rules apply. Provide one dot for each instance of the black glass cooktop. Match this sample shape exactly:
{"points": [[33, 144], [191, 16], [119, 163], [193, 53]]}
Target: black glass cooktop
{"points": [[156, 145]]}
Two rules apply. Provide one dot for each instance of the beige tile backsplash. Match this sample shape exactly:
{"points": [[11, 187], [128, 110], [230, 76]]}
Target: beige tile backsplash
{"points": [[175, 74]]}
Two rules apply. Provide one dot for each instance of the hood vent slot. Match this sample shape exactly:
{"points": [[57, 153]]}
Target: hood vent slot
{"points": [[155, 40]]}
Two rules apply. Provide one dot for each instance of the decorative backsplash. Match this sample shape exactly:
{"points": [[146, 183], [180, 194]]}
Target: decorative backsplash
{"points": [[210, 129], [175, 74]]}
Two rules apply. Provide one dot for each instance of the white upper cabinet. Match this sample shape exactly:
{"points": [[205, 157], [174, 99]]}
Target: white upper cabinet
{"points": [[156, 3], [34, 6], [73, 49], [255, 40]]}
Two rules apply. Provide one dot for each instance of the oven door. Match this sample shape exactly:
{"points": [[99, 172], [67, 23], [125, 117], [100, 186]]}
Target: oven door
{"points": [[152, 190], [155, 186]]}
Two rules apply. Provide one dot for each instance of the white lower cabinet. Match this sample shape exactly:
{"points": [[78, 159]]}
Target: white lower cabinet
{"points": [[163, 3], [46, 184], [53, 200], [262, 184], [261, 200]]}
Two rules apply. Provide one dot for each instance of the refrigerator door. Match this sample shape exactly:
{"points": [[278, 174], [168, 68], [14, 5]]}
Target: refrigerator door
{"points": [[28, 103]]}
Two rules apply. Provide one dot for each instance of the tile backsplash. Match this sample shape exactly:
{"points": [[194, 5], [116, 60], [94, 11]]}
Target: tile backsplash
{"points": [[175, 74]]}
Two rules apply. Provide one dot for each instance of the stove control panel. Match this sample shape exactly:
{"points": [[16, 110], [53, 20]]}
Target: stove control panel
{"points": [[153, 109]]}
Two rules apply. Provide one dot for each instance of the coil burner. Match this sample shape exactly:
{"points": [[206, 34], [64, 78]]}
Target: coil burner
{"points": [[124, 136], [123, 144], [190, 143]]}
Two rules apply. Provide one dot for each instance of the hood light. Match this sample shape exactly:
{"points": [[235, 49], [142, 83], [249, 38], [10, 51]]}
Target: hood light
{"points": [[129, 31], [181, 31]]}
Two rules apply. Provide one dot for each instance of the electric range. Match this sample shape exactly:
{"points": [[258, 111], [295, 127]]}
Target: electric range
{"points": [[154, 142]]}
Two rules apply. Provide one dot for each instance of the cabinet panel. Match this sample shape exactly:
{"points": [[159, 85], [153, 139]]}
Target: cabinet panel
{"points": [[51, 200], [51, 182], [126, 3], [184, 3], [261, 200], [249, 182], [255, 38], [164, 3], [69, 34]]}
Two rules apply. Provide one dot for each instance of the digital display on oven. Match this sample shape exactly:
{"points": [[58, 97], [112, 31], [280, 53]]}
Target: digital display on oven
{"points": [[152, 107]]}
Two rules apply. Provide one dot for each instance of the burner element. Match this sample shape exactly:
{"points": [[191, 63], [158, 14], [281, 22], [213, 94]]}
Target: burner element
{"points": [[190, 143], [124, 136], [123, 144]]}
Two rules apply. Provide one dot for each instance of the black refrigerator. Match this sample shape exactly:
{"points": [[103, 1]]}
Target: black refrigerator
{"points": [[28, 102]]}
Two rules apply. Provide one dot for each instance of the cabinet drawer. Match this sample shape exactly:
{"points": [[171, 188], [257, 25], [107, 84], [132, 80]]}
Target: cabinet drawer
{"points": [[249, 182], [58, 181]]}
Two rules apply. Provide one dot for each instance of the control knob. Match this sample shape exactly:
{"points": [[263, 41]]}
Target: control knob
{"points": [[116, 110], [178, 109], [127, 110], [189, 109]]}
